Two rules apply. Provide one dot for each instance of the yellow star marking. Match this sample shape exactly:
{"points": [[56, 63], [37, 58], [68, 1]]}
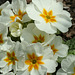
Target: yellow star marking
{"points": [[54, 49], [11, 58], [34, 61], [48, 16], [20, 15], [40, 39]]}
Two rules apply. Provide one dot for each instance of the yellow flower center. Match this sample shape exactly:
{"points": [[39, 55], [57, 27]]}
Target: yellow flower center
{"points": [[40, 39], [34, 61], [11, 58], [1, 39], [54, 49], [20, 15], [74, 71], [48, 16]]}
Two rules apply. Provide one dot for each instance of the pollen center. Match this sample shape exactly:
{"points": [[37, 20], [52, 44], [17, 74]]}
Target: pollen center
{"points": [[1, 39], [48, 16], [40, 39], [34, 61], [11, 58]]}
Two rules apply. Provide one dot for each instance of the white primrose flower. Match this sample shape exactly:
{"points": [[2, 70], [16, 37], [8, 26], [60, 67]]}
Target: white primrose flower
{"points": [[37, 61], [5, 5], [59, 49], [10, 57], [67, 66], [49, 16], [33, 35], [17, 13], [15, 29], [3, 34]]}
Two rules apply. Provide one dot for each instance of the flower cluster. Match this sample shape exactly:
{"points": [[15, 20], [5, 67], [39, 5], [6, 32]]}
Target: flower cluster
{"points": [[38, 48]]}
